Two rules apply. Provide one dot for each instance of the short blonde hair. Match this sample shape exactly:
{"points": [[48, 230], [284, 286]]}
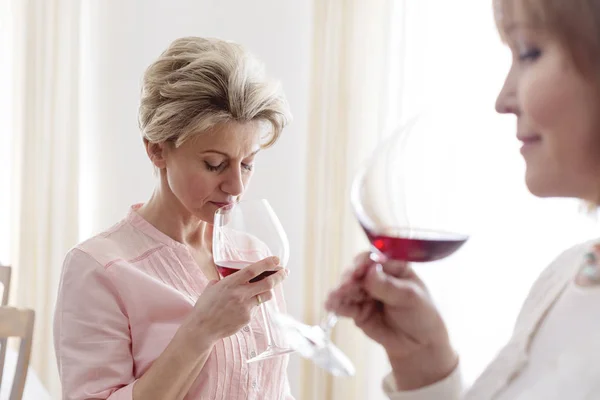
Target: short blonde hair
{"points": [[198, 83]]}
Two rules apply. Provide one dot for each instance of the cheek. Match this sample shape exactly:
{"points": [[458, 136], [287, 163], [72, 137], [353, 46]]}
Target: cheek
{"points": [[247, 177], [542, 101], [560, 106], [191, 184]]}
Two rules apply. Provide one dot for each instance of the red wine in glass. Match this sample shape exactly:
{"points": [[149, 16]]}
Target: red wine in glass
{"points": [[414, 245], [227, 268]]}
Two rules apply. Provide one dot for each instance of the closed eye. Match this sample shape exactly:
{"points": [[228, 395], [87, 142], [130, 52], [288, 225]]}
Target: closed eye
{"points": [[530, 54], [213, 168]]}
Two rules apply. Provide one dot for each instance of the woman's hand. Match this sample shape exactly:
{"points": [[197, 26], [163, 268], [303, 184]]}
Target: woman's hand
{"points": [[397, 312], [226, 305]]}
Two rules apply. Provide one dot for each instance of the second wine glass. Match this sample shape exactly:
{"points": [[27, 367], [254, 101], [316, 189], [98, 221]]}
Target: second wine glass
{"points": [[395, 201]]}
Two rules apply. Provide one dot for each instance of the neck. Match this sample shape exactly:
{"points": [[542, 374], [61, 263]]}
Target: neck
{"points": [[166, 213]]}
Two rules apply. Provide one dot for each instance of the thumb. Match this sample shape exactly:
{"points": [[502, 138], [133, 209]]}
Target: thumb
{"points": [[211, 283], [390, 290]]}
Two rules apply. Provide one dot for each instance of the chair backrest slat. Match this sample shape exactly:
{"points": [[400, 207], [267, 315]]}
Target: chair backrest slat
{"points": [[5, 275], [18, 323]]}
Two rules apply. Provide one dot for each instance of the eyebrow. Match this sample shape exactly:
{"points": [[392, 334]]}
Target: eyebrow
{"points": [[517, 25], [227, 155]]}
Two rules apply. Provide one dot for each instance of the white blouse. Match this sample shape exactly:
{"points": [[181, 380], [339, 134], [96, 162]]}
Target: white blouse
{"points": [[544, 358]]}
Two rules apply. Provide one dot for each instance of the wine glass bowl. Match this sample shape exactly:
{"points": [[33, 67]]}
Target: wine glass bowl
{"points": [[413, 244], [405, 199], [396, 195], [243, 234]]}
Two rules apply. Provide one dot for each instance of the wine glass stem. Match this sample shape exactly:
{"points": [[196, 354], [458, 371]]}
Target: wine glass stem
{"points": [[264, 311], [329, 322]]}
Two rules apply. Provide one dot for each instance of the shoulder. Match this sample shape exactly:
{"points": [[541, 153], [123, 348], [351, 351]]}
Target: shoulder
{"points": [[564, 265], [122, 241], [550, 282]]}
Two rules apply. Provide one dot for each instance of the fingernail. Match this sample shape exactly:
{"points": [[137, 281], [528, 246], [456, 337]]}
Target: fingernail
{"points": [[287, 272], [275, 260]]}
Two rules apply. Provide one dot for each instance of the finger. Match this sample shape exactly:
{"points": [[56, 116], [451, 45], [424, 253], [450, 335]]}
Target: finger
{"points": [[349, 277], [354, 296], [399, 269], [211, 283], [365, 312], [362, 262], [346, 276], [252, 271], [351, 291], [341, 292], [333, 300], [261, 298], [346, 310], [267, 283], [340, 298], [390, 290]]}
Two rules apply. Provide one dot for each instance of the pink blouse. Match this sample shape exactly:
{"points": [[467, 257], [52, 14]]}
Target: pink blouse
{"points": [[123, 294]]}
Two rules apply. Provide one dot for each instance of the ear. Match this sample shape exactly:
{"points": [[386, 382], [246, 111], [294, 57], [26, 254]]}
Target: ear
{"points": [[156, 153]]}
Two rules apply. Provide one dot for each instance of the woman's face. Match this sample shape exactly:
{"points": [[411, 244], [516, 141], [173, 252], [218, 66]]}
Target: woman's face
{"points": [[211, 170], [557, 112]]}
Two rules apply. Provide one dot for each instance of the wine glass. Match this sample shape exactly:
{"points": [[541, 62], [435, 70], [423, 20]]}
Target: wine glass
{"points": [[395, 201], [243, 234]]}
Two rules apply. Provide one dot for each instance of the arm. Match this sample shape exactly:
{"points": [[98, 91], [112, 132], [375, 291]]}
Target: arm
{"points": [[176, 369], [93, 344], [449, 388]]}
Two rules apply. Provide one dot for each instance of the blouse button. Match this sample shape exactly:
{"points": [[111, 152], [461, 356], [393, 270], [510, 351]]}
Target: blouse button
{"points": [[246, 329], [253, 354]]}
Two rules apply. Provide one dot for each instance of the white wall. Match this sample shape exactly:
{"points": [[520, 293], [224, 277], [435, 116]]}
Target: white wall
{"points": [[125, 37]]}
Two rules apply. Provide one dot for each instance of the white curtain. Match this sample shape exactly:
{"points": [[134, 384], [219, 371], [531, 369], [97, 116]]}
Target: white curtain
{"points": [[384, 62], [347, 115], [6, 150], [45, 161]]}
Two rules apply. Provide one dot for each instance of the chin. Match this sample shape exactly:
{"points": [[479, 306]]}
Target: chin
{"points": [[204, 213], [540, 187], [545, 187], [207, 217]]}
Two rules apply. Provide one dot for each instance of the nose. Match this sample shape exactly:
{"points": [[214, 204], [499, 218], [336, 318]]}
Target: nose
{"points": [[506, 102], [234, 182]]}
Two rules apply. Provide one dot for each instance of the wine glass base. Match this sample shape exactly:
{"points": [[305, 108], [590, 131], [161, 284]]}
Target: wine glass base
{"points": [[271, 352], [313, 343]]}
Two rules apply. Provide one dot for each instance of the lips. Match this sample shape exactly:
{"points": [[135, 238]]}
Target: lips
{"points": [[529, 139], [530, 142], [222, 204]]}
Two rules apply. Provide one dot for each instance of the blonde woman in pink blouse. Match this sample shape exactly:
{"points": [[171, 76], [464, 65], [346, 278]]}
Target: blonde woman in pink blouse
{"points": [[141, 311], [553, 90]]}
